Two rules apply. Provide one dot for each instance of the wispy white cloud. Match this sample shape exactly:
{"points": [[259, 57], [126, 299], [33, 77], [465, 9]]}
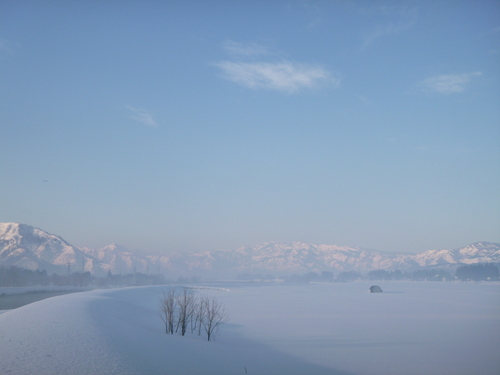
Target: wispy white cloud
{"points": [[255, 66], [383, 30], [142, 116], [448, 83], [4, 45], [402, 19], [282, 76], [7, 47], [251, 49]]}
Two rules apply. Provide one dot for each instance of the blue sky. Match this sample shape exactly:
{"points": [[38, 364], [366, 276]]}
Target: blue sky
{"points": [[201, 125]]}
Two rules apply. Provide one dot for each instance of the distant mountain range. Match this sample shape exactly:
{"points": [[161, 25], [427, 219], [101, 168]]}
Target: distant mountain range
{"points": [[25, 246]]}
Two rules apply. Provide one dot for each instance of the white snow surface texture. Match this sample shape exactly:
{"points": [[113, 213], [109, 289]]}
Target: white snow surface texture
{"points": [[410, 328]]}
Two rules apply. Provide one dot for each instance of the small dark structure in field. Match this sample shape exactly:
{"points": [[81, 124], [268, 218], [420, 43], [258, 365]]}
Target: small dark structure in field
{"points": [[375, 289]]}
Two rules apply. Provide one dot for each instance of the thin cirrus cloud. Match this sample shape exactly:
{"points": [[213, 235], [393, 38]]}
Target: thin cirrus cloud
{"points": [[142, 116], [4, 46], [403, 19], [7, 47], [448, 83], [284, 75], [385, 30], [241, 49]]}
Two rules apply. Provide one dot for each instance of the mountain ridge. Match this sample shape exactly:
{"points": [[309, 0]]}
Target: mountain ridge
{"points": [[28, 247]]}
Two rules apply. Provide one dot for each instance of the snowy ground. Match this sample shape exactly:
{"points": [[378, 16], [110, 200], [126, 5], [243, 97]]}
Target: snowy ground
{"points": [[411, 328]]}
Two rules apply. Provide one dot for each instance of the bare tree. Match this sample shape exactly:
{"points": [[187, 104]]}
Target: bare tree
{"points": [[186, 306], [215, 315], [194, 321], [199, 315], [166, 309], [203, 313]]}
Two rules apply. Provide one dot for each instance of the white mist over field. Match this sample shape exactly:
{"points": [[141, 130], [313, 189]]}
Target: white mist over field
{"points": [[410, 328]]}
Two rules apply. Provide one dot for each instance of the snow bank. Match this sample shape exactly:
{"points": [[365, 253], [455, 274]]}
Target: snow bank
{"points": [[411, 328], [119, 332]]}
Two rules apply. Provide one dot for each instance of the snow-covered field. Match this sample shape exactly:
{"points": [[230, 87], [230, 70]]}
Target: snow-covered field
{"points": [[411, 328]]}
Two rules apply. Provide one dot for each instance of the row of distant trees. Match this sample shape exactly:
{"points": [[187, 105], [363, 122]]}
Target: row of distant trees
{"points": [[16, 276], [474, 272], [478, 272], [184, 311], [348, 276]]}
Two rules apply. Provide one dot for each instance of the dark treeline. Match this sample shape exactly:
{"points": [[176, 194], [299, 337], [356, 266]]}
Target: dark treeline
{"points": [[476, 272], [327, 276], [16, 276]]}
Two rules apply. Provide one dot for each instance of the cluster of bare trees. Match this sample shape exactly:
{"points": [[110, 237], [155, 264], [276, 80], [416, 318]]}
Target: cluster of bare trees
{"points": [[183, 311]]}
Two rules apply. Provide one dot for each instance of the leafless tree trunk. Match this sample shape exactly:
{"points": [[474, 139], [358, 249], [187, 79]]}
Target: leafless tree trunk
{"points": [[194, 316], [199, 314], [215, 315], [186, 306], [166, 309]]}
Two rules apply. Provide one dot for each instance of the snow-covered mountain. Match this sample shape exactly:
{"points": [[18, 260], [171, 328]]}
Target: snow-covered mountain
{"points": [[479, 252], [28, 247], [118, 259], [32, 248], [299, 257]]}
